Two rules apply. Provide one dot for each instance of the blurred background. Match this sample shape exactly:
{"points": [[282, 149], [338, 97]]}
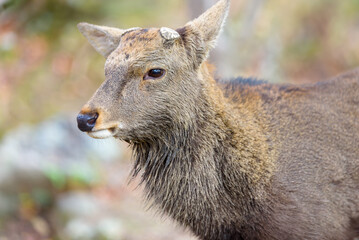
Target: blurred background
{"points": [[57, 183]]}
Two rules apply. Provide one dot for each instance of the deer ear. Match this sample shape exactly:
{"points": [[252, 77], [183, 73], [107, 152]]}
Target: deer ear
{"points": [[103, 39], [204, 30]]}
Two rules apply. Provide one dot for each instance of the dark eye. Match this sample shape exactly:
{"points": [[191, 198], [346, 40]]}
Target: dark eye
{"points": [[154, 74]]}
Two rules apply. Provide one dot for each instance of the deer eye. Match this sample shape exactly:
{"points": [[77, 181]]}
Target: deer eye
{"points": [[154, 74]]}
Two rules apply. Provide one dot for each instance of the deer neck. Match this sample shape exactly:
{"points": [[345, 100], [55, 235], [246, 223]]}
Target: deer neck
{"points": [[221, 156]]}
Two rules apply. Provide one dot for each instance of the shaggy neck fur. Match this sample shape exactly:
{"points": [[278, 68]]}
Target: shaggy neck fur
{"points": [[192, 172]]}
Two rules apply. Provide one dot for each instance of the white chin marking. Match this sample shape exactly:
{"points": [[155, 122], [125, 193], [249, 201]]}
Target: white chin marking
{"points": [[101, 134]]}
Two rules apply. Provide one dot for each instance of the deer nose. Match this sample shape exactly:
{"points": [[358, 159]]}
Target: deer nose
{"points": [[86, 122]]}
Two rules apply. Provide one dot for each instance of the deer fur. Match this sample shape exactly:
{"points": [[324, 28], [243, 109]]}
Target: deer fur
{"points": [[229, 160]]}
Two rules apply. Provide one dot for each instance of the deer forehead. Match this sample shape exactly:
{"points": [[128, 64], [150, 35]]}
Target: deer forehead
{"points": [[139, 41], [141, 47]]}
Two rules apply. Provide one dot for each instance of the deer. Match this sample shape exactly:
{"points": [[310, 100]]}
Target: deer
{"points": [[239, 159]]}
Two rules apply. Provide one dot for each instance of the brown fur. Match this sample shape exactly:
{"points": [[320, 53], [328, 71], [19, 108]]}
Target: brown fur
{"points": [[230, 160]]}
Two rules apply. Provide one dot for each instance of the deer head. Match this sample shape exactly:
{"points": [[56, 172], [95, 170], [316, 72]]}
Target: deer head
{"points": [[154, 77]]}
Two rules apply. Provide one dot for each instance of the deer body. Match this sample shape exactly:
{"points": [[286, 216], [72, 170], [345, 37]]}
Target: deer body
{"points": [[236, 160], [297, 187]]}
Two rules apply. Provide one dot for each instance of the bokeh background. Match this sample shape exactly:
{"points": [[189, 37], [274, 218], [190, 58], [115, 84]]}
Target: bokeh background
{"points": [[57, 183]]}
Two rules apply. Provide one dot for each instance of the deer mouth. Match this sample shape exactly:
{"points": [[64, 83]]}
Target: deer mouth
{"points": [[101, 134]]}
